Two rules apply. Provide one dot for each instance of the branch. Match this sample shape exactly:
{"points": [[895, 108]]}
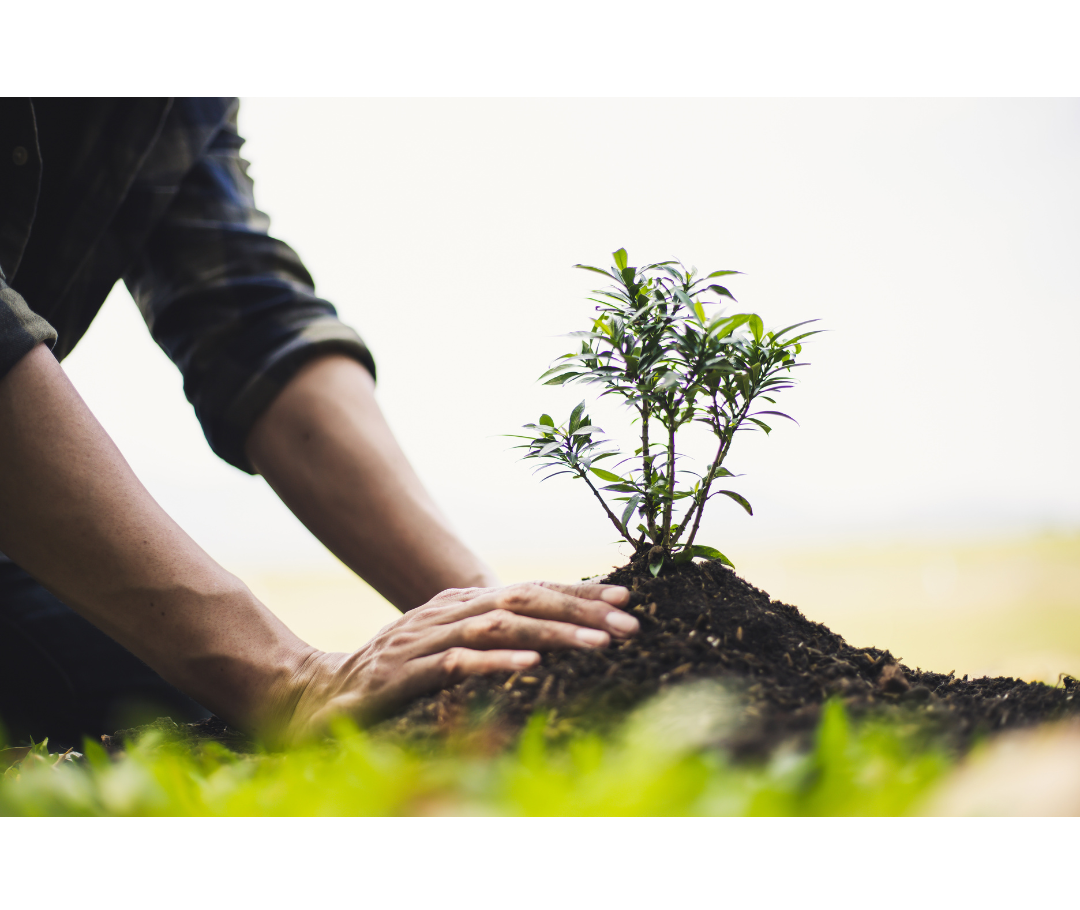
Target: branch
{"points": [[726, 439], [699, 505], [646, 466], [618, 525], [670, 480], [720, 456]]}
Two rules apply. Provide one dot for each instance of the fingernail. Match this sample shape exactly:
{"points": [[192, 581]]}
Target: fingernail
{"points": [[524, 658], [594, 638], [615, 596], [620, 622]]}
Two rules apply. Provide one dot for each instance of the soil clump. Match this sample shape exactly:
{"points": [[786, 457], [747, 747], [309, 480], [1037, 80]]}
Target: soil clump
{"points": [[701, 621]]}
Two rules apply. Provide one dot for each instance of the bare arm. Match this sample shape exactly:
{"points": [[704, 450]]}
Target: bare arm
{"points": [[326, 449], [73, 514]]}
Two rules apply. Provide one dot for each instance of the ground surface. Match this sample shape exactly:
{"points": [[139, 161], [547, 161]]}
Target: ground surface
{"points": [[701, 620]]}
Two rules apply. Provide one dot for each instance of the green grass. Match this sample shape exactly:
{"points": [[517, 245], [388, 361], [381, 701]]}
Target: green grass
{"points": [[658, 763]]}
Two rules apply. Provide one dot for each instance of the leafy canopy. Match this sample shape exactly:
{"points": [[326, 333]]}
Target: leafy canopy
{"points": [[660, 343]]}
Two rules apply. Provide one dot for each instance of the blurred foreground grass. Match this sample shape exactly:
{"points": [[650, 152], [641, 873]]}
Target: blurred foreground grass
{"points": [[1002, 608], [659, 764]]}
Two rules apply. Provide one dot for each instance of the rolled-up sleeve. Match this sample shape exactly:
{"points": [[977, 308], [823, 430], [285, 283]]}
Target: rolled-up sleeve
{"points": [[234, 308], [21, 329]]}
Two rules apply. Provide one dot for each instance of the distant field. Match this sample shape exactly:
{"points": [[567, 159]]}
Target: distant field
{"points": [[1002, 609], [1005, 608]]}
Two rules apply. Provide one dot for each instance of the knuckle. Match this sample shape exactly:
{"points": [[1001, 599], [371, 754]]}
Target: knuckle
{"points": [[449, 596], [495, 621], [379, 672], [451, 663], [428, 613], [518, 595]]}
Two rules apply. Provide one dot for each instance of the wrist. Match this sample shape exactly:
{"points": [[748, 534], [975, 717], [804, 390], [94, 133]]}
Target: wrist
{"points": [[218, 643], [305, 698]]}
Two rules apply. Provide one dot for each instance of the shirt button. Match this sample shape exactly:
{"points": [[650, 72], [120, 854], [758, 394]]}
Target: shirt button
{"points": [[19, 156]]}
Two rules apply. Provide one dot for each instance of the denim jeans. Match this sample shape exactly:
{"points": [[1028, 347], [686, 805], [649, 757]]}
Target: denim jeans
{"points": [[62, 678]]}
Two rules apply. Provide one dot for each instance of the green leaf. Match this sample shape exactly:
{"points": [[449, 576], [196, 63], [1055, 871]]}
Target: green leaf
{"points": [[620, 258], [561, 378], [546, 420], [593, 268], [795, 326], [723, 326], [575, 416], [731, 494], [756, 326], [777, 414], [628, 512], [560, 368], [710, 553], [607, 475], [721, 291], [761, 424], [656, 564], [721, 274]]}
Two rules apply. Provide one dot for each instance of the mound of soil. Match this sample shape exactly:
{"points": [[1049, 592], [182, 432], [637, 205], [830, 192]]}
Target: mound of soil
{"points": [[700, 620]]}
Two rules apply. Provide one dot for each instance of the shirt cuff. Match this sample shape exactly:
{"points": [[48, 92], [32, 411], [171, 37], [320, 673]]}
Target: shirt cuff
{"points": [[21, 329], [324, 336]]}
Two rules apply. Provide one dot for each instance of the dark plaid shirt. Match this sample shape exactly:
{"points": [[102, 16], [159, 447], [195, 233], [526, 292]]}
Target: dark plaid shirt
{"points": [[154, 191]]}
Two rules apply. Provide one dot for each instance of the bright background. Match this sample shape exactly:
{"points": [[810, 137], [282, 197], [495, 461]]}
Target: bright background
{"points": [[928, 501]]}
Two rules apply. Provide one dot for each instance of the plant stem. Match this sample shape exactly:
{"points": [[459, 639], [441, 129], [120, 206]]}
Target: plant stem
{"points": [[699, 504], [670, 505], [618, 526], [726, 436], [646, 468]]}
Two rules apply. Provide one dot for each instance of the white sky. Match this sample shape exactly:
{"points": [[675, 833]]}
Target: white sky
{"points": [[935, 239]]}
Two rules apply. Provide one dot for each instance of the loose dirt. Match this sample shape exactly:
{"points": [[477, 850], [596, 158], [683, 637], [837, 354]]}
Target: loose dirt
{"points": [[701, 621]]}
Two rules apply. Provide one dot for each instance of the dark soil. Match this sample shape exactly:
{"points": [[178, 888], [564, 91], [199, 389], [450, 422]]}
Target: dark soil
{"points": [[701, 621], [188, 736]]}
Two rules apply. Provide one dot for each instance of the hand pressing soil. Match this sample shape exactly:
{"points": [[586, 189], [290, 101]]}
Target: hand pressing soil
{"points": [[700, 620]]}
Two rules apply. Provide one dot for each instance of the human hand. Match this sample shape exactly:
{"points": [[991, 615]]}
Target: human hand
{"points": [[461, 632]]}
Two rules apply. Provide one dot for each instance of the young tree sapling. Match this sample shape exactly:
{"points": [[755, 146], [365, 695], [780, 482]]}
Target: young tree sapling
{"points": [[658, 344]]}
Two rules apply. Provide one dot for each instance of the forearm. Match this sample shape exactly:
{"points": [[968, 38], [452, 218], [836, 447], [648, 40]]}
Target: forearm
{"points": [[73, 514], [326, 449]]}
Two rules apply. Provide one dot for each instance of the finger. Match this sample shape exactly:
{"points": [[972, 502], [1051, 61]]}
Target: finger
{"points": [[616, 621], [616, 595], [501, 629], [454, 595], [544, 602], [437, 671]]}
